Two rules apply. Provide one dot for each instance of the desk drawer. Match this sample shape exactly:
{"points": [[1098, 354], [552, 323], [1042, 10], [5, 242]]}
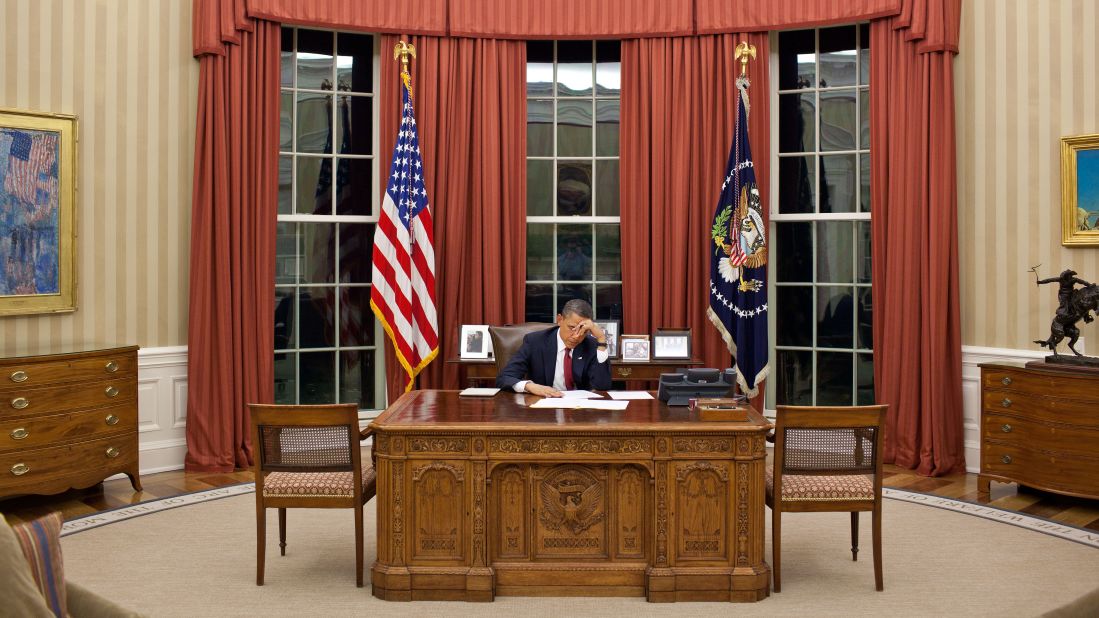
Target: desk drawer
{"points": [[65, 397], [1042, 469], [42, 431], [1041, 407], [1045, 436], [31, 374], [54, 469]]}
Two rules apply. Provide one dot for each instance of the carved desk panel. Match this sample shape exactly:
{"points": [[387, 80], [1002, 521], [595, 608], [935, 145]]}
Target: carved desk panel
{"points": [[479, 497]]}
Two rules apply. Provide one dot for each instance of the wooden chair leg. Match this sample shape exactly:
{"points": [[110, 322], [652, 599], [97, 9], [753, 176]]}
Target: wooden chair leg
{"points": [[855, 536], [282, 531], [876, 516], [261, 540], [776, 536], [359, 545]]}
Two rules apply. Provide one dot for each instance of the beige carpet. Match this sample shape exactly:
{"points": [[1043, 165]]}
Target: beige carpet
{"points": [[200, 561]]}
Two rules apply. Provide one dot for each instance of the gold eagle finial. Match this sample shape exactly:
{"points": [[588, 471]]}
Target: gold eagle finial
{"points": [[403, 50], [744, 52]]}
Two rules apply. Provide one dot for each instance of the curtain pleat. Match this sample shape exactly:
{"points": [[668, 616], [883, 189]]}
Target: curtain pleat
{"points": [[762, 15], [231, 311]]}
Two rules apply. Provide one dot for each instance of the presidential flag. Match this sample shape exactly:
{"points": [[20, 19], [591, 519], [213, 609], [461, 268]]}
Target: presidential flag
{"points": [[738, 259], [403, 279]]}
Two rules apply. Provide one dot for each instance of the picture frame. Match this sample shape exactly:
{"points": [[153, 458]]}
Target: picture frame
{"points": [[1080, 190], [474, 342], [635, 348], [37, 206], [612, 328], [672, 343]]}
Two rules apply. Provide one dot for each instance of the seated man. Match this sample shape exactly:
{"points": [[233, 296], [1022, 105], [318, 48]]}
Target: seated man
{"points": [[572, 355]]}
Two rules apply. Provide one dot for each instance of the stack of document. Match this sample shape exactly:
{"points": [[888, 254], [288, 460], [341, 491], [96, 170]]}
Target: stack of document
{"points": [[574, 403], [479, 392]]}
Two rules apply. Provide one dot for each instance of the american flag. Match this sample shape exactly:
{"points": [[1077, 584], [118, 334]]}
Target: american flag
{"points": [[30, 156], [403, 279]]}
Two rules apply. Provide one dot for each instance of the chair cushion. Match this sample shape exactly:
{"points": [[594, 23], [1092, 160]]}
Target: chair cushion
{"points": [[18, 594], [820, 488], [40, 541], [316, 484]]}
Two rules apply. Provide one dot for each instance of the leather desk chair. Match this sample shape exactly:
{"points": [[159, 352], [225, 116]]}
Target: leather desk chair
{"points": [[506, 340]]}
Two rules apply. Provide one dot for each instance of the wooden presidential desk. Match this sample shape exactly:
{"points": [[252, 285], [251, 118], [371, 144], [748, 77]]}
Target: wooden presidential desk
{"points": [[484, 496], [484, 370]]}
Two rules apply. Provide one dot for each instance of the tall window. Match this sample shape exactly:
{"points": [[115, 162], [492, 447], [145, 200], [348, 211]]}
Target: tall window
{"points": [[327, 342], [573, 244], [820, 217]]}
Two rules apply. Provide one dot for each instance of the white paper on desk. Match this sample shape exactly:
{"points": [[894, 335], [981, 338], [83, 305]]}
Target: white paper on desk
{"points": [[580, 395], [629, 394], [479, 392], [574, 403]]}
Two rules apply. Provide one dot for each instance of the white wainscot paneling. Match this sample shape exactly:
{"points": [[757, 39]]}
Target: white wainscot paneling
{"points": [[972, 358], [162, 408]]}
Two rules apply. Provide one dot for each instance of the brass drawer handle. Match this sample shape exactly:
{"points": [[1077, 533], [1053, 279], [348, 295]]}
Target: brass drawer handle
{"points": [[19, 433], [1006, 459], [111, 391], [112, 452], [1006, 381], [112, 419], [111, 367], [19, 376], [1005, 428], [20, 469], [1006, 402], [19, 403], [625, 371]]}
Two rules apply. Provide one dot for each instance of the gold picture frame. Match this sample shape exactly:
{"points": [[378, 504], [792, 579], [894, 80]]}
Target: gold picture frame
{"points": [[37, 212], [1080, 190]]}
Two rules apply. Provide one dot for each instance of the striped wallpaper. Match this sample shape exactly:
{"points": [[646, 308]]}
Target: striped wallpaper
{"points": [[124, 68], [1026, 76]]}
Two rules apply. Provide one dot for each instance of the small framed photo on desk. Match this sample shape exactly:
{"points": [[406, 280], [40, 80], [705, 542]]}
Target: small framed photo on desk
{"points": [[672, 343], [635, 348], [610, 327], [474, 342]]}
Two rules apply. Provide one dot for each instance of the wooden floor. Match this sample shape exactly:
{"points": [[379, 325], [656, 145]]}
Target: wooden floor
{"points": [[117, 493]]}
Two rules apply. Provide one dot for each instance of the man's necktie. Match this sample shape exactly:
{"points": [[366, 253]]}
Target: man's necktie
{"points": [[568, 369]]}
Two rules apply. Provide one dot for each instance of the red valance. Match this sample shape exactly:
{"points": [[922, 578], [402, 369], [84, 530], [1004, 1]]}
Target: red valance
{"points": [[933, 23]]}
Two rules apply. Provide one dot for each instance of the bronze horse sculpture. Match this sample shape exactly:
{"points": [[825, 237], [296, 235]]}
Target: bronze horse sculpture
{"points": [[1075, 304]]}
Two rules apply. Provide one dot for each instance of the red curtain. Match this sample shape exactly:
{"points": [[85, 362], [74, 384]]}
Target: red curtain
{"points": [[232, 279], [678, 115], [914, 237], [763, 15], [471, 114]]}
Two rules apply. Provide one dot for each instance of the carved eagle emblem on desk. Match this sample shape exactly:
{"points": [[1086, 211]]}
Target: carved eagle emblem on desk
{"points": [[571, 505]]}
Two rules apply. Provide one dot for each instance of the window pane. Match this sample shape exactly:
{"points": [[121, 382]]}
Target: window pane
{"points": [[608, 302], [540, 68], [539, 188], [356, 318], [606, 136], [316, 317], [835, 317], [796, 124], [837, 183], [608, 68], [355, 125], [286, 253], [569, 291], [862, 252], [318, 257], [540, 251], [794, 317], [797, 182], [357, 377], [837, 120], [286, 57], [837, 56], [285, 337], [539, 128], [314, 122], [866, 319], [796, 60], [354, 186], [356, 252], [865, 383], [314, 196], [864, 54], [315, 60], [574, 128], [608, 253], [834, 378], [794, 386], [286, 178], [574, 68], [834, 247], [574, 253], [606, 175], [864, 182], [286, 121], [864, 119], [573, 188], [286, 389], [794, 250], [540, 302], [318, 384], [355, 62]]}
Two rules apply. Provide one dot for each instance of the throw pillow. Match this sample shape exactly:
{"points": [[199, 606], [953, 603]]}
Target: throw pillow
{"points": [[20, 595], [41, 543]]}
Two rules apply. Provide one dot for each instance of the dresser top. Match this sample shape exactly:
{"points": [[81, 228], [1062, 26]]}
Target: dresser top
{"points": [[11, 351]]}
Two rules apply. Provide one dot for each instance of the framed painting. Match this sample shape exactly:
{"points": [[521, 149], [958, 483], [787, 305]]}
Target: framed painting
{"points": [[1080, 190], [37, 218]]}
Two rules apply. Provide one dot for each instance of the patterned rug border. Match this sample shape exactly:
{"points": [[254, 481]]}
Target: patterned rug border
{"points": [[1049, 527]]}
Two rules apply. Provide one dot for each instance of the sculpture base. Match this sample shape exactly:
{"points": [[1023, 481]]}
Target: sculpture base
{"points": [[1079, 361]]}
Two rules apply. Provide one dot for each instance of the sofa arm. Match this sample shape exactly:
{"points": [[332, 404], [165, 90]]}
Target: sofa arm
{"points": [[84, 603]]}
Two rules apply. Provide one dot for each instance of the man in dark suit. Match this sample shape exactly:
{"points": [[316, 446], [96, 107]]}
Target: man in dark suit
{"points": [[572, 355]]}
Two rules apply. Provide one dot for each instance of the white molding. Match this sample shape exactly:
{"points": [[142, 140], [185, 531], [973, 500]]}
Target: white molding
{"points": [[162, 401]]}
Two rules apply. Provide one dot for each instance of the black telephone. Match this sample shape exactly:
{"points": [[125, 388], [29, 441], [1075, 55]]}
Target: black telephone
{"points": [[677, 389]]}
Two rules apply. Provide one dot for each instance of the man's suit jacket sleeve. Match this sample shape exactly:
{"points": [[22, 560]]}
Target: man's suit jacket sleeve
{"points": [[599, 374], [518, 368]]}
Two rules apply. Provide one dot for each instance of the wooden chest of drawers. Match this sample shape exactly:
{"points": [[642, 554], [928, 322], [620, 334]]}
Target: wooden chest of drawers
{"points": [[1040, 427], [68, 419]]}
